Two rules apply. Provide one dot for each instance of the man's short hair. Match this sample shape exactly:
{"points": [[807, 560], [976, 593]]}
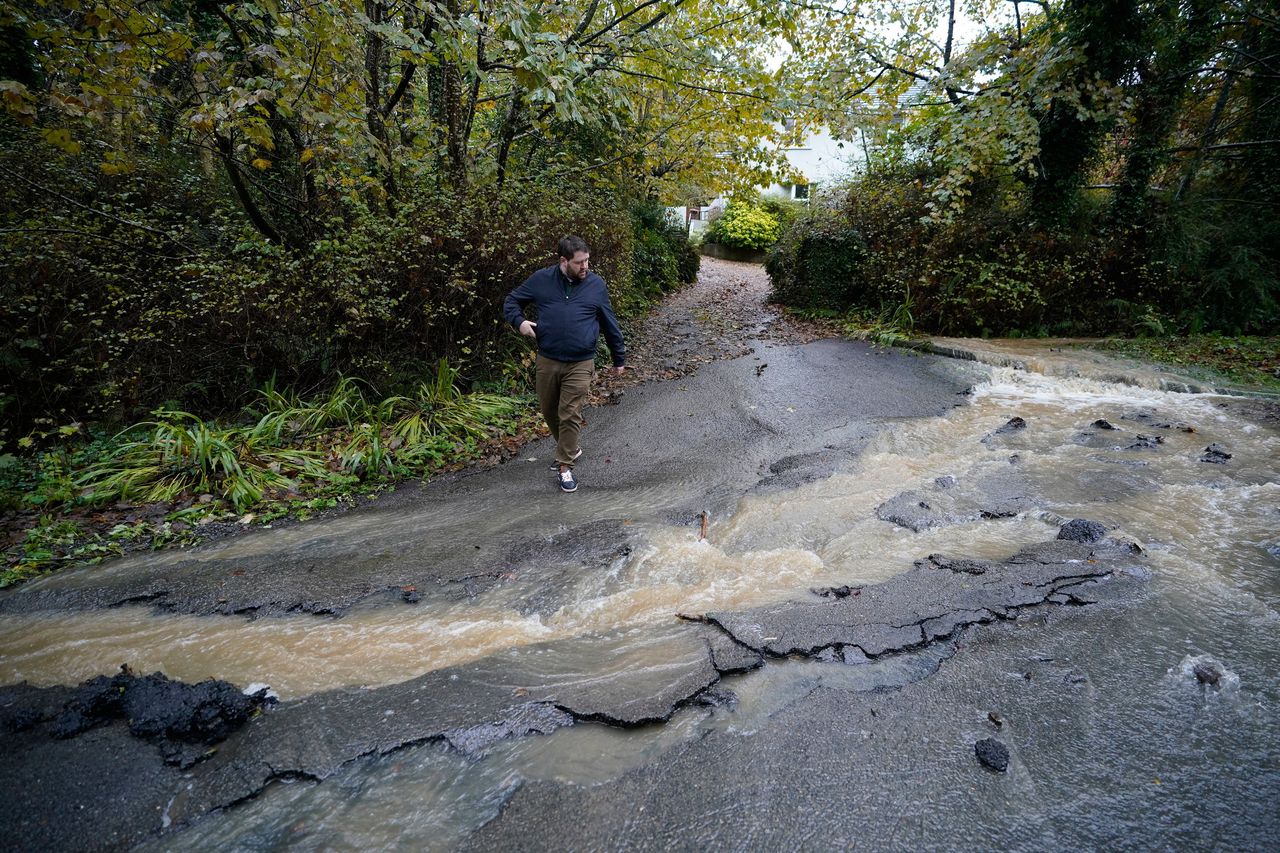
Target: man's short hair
{"points": [[570, 246]]}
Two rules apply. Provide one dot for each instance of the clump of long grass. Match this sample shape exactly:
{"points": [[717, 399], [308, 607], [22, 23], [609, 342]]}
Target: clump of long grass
{"points": [[291, 440], [180, 454]]}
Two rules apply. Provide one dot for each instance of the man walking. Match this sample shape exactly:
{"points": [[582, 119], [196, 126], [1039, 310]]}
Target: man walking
{"points": [[573, 305]]}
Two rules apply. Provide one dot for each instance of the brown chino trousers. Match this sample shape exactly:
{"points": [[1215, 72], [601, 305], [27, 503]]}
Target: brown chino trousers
{"points": [[562, 390]]}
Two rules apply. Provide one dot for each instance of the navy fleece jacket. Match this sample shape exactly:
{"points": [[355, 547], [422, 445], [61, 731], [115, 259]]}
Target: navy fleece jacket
{"points": [[570, 315]]}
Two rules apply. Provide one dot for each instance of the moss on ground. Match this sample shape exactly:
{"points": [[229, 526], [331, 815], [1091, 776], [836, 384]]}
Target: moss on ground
{"points": [[1246, 361]]}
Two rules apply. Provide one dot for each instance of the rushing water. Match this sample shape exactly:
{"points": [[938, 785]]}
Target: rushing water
{"points": [[1211, 532]]}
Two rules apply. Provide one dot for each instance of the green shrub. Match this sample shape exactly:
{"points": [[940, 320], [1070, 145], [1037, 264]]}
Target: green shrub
{"points": [[745, 226], [967, 295], [984, 273], [688, 260], [785, 210], [654, 263], [818, 264], [290, 441], [662, 256]]}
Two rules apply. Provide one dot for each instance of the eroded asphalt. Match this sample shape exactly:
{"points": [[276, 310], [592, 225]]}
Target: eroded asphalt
{"points": [[781, 412]]}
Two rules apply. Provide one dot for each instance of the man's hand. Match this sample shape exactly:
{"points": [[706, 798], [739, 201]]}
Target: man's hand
{"points": [[618, 370], [527, 329]]}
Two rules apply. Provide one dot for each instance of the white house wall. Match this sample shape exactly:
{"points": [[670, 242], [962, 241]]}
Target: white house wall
{"points": [[821, 159]]}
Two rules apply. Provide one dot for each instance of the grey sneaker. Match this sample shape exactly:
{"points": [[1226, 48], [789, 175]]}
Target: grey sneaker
{"points": [[555, 466], [567, 481]]}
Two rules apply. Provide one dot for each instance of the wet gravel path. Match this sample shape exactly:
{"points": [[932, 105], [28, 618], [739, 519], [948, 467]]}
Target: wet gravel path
{"points": [[714, 319]]}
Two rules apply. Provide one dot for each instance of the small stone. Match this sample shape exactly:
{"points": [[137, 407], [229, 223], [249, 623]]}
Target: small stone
{"points": [[1216, 454], [1207, 673], [945, 482], [1082, 530], [992, 753], [1012, 425], [995, 719], [1104, 424]]}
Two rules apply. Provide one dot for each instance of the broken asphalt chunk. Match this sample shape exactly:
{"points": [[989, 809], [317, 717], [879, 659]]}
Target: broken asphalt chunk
{"points": [[1216, 454], [1082, 530], [992, 753], [919, 607]]}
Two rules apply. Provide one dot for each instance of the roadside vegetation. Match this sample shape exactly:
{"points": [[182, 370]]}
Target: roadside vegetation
{"points": [[177, 479]]}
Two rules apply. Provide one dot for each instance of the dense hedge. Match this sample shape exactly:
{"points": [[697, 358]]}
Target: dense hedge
{"points": [[662, 256], [198, 312], [817, 264], [988, 273]]}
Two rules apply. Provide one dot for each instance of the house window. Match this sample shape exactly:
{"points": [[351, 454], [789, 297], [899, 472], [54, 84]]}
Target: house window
{"points": [[800, 191], [695, 213]]}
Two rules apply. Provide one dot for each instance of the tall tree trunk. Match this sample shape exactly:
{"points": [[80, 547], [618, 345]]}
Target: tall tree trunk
{"points": [[448, 113], [510, 127], [1206, 138], [1108, 33], [255, 214], [375, 119]]}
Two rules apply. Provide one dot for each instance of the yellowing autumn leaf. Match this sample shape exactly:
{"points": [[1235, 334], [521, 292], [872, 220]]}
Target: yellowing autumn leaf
{"points": [[61, 137], [116, 163], [261, 164]]}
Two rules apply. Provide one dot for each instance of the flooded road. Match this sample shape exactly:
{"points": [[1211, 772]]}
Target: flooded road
{"points": [[833, 466], [1213, 523], [1115, 739]]}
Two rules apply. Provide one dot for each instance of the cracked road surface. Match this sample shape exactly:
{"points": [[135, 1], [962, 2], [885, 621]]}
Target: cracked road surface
{"points": [[474, 706], [828, 709]]}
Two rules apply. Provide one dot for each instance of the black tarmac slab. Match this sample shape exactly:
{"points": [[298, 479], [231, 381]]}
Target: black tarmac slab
{"points": [[930, 603]]}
